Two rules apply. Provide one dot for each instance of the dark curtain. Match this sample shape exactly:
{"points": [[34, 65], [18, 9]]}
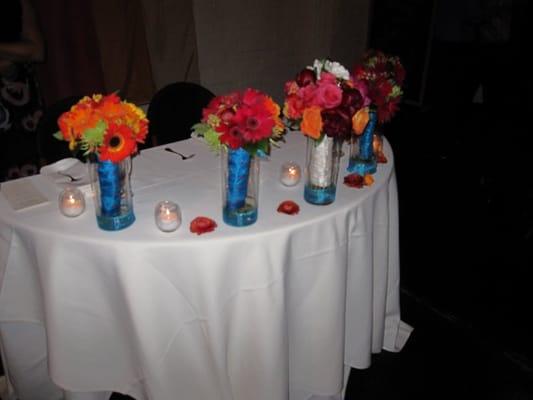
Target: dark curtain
{"points": [[72, 65], [94, 46]]}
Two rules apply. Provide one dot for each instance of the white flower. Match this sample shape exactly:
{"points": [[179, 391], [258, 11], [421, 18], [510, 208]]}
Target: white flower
{"points": [[318, 65], [337, 69]]}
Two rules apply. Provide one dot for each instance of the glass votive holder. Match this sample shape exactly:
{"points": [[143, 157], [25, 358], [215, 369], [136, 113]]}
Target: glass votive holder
{"points": [[71, 202], [167, 216], [290, 173]]}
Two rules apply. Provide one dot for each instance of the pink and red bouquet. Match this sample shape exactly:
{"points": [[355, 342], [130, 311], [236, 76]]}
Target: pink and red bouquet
{"points": [[248, 119], [383, 75], [323, 100]]}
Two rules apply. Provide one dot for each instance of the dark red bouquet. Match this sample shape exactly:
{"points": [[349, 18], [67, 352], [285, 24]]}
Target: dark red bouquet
{"points": [[383, 76]]}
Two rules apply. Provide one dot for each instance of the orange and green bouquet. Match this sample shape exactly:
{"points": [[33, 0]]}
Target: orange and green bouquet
{"points": [[105, 126], [249, 119], [324, 99]]}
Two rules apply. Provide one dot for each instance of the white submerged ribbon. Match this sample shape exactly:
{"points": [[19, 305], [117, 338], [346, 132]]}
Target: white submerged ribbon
{"points": [[321, 163]]}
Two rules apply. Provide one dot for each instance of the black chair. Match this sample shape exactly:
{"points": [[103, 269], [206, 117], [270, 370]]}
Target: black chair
{"points": [[51, 149], [174, 109]]}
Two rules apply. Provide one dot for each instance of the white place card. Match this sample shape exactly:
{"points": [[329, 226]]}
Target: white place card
{"points": [[21, 194]]}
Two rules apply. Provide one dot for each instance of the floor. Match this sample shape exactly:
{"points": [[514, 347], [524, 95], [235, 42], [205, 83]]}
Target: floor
{"points": [[466, 252]]}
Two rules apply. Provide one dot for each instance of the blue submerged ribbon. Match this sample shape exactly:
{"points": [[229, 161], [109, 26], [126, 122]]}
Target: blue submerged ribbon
{"points": [[238, 170], [366, 149], [109, 178]]}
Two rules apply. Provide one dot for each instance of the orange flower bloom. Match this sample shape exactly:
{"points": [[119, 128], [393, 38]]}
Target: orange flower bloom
{"points": [[118, 143], [312, 122], [359, 120], [368, 180]]}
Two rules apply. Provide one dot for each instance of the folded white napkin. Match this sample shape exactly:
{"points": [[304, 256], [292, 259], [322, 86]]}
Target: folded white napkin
{"points": [[68, 171]]}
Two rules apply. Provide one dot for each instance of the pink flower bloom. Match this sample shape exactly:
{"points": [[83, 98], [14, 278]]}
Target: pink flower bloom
{"points": [[291, 87], [308, 94], [252, 97], [327, 77], [363, 90], [294, 107], [328, 95]]}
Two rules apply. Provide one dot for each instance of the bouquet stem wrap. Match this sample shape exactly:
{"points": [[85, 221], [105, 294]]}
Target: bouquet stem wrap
{"points": [[366, 150], [362, 159], [238, 170], [113, 198], [240, 177], [109, 176]]}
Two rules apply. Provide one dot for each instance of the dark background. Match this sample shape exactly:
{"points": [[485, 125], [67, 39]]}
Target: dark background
{"points": [[466, 200]]}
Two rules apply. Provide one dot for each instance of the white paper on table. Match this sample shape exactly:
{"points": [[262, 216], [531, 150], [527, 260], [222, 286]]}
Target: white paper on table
{"points": [[60, 171], [21, 194]]}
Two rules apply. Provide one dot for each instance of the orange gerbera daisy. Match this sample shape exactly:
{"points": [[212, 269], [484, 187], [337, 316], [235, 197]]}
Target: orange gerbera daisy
{"points": [[118, 143]]}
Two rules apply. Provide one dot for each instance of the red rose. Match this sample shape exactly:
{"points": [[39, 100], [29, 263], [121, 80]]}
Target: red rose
{"points": [[336, 122], [305, 77], [289, 207], [201, 225], [354, 180], [352, 100]]}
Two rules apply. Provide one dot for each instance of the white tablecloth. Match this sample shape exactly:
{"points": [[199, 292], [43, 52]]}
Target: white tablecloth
{"points": [[278, 310]]}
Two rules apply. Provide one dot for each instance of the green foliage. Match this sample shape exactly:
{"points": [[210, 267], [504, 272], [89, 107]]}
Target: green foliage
{"points": [[94, 137], [58, 135]]}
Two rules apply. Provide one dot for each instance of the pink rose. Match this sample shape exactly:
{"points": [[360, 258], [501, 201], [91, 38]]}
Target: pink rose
{"points": [[328, 95], [308, 94], [327, 77]]}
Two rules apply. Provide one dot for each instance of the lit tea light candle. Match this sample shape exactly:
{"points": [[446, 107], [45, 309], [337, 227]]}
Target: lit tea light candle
{"points": [[167, 216], [290, 173], [71, 202]]}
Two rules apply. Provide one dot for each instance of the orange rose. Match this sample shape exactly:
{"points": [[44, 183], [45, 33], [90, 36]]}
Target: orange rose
{"points": [[312, 122], [359, 120]]}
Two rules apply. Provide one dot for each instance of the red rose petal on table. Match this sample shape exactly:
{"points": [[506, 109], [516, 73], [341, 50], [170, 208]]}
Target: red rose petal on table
{"points": [[288, 207], [354, 180], [381, 159], [201, 225]]}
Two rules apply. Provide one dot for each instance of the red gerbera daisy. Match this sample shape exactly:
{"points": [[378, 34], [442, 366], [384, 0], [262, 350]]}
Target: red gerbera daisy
{"points": [[231, 136], [118, 143], [255, 122]]}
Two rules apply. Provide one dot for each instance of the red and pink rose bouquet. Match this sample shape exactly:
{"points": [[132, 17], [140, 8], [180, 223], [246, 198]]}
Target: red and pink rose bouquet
{"points": [[323, 99]]}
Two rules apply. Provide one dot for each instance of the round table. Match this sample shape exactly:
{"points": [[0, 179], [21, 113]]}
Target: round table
{"points": [[277, 310]]}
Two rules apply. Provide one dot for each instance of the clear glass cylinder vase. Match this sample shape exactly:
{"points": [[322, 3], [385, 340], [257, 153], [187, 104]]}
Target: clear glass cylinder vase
{"points": [[362, 158], [240, 187], [322, 170], [113, 197]]}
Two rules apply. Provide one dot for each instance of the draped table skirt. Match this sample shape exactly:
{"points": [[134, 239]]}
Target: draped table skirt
{"points": [[278, 310]]}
